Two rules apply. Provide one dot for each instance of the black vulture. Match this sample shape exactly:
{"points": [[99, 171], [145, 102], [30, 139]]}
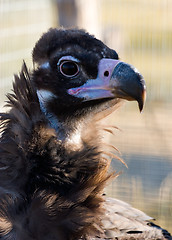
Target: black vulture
{"points": [[52, 167]]}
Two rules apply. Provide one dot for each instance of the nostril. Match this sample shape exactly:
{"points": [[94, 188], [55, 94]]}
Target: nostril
{"points": [[106, 73]]}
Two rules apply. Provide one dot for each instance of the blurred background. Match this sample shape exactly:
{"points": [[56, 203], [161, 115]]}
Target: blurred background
{"points": [[141, 32]]}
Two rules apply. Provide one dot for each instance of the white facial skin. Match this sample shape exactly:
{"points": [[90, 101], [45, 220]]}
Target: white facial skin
{"points": [[45, 96], [72, 138], [45, 65]]}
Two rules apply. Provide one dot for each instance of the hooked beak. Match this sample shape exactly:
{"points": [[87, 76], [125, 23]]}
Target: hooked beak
{"points": [[115, 79]]}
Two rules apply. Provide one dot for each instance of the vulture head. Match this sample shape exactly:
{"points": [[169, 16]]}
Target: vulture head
{"points": [[77, 75], [52, 167]]}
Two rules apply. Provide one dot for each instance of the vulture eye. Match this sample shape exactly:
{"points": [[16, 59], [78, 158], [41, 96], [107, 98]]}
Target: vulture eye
{"points": [[69, 68]]}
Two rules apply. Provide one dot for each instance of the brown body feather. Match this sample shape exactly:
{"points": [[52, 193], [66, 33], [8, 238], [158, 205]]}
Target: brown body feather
{"points": [[42, 182]]}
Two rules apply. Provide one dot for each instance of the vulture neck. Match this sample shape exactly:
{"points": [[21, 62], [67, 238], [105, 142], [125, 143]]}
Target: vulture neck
{"points": [[71, 132]]}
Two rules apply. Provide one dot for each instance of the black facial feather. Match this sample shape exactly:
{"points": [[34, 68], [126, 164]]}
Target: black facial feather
{"points": [[55, 40], [52, 168]]}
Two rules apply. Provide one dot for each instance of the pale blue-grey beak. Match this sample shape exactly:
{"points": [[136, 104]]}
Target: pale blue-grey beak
{"points": [[115, 79]]}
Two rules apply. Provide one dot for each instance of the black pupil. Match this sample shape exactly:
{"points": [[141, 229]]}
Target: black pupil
{"points": [[69, 68]]}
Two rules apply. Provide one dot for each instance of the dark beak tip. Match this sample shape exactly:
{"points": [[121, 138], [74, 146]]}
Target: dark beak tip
{"points": [[140, 106], [128, 83], [142, 100]]}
